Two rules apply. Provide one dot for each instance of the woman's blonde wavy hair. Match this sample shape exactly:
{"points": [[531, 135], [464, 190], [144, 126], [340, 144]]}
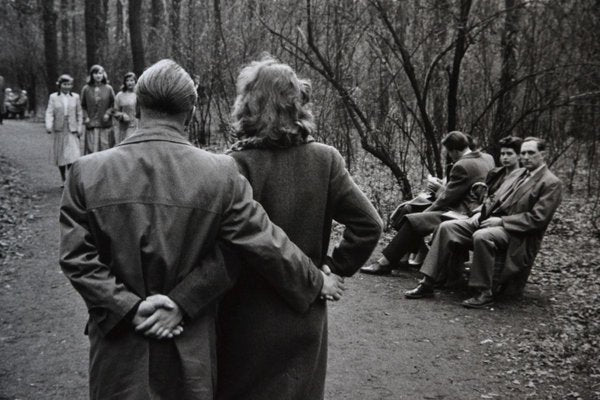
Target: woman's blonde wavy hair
{"points": [[272, 103]]}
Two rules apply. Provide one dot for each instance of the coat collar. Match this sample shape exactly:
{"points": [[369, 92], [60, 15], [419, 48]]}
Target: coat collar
{"points": [[162, 133], [472, 154], [526, 187]]}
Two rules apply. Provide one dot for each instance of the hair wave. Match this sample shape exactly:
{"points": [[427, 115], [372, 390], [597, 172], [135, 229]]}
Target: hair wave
{"points": [[272, 103]]}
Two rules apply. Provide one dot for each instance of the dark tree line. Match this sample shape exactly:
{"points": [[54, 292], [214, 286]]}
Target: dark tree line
{"points": [[389, 77]]}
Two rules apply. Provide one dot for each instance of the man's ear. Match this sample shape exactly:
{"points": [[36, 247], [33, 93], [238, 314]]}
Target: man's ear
{"points": [[188, 118]]}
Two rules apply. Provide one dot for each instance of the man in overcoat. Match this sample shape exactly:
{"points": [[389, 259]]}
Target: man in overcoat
{"points": [[469, 167], [138, 221], [514, 221]]}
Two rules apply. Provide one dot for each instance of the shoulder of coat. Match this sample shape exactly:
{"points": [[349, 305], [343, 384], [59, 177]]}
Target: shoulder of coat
{"points": [[551, 178], [324, 149]]}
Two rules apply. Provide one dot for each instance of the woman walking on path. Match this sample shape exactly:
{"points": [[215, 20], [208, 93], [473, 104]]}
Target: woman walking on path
{"points": [[97, 100], [64, 119], [126, 108], [266, 350]]}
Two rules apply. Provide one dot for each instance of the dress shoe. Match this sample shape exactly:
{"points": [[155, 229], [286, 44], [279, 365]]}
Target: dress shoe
{"points": [[421, 291], [376, 269], [484, 300]]}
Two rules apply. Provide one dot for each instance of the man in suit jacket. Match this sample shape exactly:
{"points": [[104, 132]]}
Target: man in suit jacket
{"points": [[469, 167], [513, 220]]}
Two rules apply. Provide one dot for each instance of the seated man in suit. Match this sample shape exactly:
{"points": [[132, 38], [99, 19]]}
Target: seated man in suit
{"points": [[514, 220], [469, 167]]}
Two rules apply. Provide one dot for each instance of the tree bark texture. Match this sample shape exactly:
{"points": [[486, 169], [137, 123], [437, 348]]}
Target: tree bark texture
{"points": [[96, 32], [175, 27], [135, 34], [120, 21], [503, 116], [454, 73], [49, 18], [65, 54]]}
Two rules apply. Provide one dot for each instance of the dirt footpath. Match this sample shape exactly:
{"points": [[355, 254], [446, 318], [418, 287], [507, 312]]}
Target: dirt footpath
{"points": [[381, 345]]}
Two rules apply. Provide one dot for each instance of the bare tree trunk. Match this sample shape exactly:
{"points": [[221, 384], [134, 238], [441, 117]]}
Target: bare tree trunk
{"points": [[155, 35], [120, 22], [76, 37], [220, 43], [49, 18], [175, 27], [433, 155], [135, 34], [454, 73], [65, 56], [439, 118], [190, 50], [96, 31], [503, 116]]}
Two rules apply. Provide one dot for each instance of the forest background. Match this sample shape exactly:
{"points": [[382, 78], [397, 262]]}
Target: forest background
{"points": [[390, 78]]}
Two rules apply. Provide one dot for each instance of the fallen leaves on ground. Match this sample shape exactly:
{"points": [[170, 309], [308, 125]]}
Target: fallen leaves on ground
{"points": [[558, 355], [16, 209]]}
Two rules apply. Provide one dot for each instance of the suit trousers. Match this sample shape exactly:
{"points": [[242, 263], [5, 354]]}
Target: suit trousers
{"points": [[485, 242], [411, 231]]}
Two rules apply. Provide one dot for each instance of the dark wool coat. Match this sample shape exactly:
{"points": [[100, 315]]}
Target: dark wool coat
{"points": [[96, 101], [266, 350], [456, 195], [144, 218]]}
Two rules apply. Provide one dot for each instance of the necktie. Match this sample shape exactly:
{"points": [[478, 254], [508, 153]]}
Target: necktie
{"points": [[516, 185], [504, 196]]}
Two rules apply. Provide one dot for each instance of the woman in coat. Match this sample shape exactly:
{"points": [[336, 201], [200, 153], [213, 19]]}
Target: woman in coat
{"points": [[266, 350], [97, 100], [126, 108], [64, 119]]}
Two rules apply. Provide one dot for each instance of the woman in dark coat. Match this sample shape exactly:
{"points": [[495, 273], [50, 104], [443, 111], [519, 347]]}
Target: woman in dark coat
{"points": [[266, 350], [97, 101]]}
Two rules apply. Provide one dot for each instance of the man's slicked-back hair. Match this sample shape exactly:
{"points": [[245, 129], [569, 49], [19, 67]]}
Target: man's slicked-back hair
{"points": [[541, 143], [166, 87], [455, 140], [511, 142]]}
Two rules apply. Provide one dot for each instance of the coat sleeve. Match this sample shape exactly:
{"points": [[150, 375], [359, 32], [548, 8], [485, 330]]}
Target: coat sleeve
{"points": [[363, 226], [50, 115], [246, 226], [84, 105], [108, 300], [111, 100], [204, 285], [539, 216], [456, 189], [79, 115], [83, 99]]}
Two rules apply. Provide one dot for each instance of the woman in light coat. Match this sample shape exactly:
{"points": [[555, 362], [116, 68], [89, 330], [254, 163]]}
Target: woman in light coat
{"points": [[267, 350], [126, 108], [64, 118]]}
